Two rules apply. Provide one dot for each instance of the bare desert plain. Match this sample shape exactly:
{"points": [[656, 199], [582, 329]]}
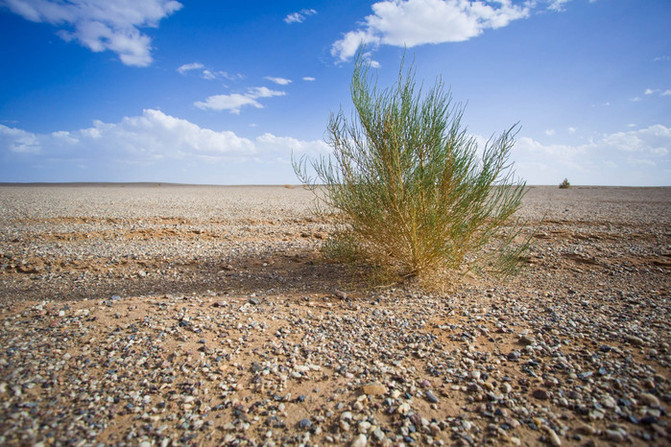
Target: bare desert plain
{"points": [[148, 314]]}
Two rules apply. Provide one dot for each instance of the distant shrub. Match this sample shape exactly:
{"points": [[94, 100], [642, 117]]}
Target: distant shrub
{"points": [[565, 184], [409, 191]]}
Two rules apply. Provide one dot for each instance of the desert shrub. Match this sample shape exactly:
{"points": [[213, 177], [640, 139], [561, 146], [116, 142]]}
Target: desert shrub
{"points": [[564, 184], [410, 190]]}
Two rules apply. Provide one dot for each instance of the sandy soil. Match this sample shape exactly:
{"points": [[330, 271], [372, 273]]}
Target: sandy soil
{"points": [[173, 315]]}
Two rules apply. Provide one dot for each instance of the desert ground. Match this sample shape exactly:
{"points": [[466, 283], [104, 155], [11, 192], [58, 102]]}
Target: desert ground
{"points": [[165, 315]]}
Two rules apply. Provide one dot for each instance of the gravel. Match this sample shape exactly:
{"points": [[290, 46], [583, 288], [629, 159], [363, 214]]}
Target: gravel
{"points": [[179, 315]]}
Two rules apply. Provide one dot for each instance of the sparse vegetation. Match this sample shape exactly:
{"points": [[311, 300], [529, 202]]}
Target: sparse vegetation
{"points": [[564, 184], [411, 191]]}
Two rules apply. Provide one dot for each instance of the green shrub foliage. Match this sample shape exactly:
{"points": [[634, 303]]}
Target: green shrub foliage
{"points": [[411, 191]]}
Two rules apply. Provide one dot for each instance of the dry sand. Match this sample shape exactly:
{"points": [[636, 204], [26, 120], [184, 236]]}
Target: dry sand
{"points": [[177, 315]]}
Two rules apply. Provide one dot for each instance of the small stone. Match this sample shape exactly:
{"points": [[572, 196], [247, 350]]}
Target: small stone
{"points": [[585, 429], [541, 394], [634, 340], [552, 436], [648, 420], [360, 441], [340, 294], [513, 356], [609, 402], [254, 301], [416, 419], [649, 399], [526, 340], [378, 435], [374, 389], [431, 397], [304, 424], [404, 408], [614, 436]]}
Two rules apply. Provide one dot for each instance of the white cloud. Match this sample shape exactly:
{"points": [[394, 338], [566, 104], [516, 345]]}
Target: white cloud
{"points": [[309, 78], [557, 5], [655, 139], [263, 92], [416, 22], [19, 141], [235, 101], [634, 157], [101, 25], [279, 81], [657, 91], [300, 16], [206, 73], [153, 135], [227, 102], [189, 67], [549, 132], [218, 74], [161, 146], [289, 145]]}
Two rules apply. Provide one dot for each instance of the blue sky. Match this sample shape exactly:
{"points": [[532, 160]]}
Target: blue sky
{"points": [[222, 92]]}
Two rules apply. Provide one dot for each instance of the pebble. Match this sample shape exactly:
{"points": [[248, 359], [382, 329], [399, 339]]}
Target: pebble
{"points": [[585, 429], [304, 424], [360, 441], [615, 436], [552, 436], [649, 399], [514, 355], [374, 389], [541, 394], [431, 397]]}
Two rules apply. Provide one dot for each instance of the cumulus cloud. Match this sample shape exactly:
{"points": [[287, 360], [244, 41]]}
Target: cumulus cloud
{"points": [[19, 141], [657, 92], [152, 146], [183, 69], [154, 135], [235, 101], [300, 16], [309, 78], [264, 92], [290, 144], [207, 73], [232, 102], [634, 157], [408, 23], [279, 81], [557, 5], [101, 25]]}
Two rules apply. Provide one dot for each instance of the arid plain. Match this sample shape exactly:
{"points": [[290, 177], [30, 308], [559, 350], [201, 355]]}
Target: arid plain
{"points": [[146, 314]]}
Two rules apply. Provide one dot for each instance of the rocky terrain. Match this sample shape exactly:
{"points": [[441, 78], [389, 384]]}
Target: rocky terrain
{"points": [[192, 315]]}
